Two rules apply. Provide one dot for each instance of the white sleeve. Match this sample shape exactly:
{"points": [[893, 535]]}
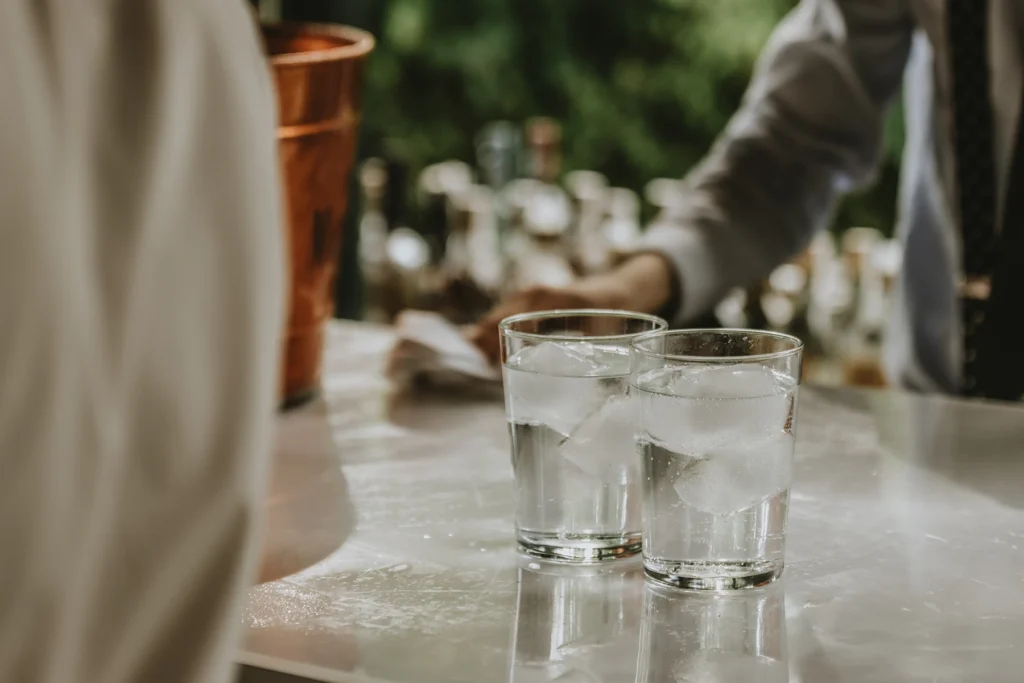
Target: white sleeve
{"points": [[810, 128]]}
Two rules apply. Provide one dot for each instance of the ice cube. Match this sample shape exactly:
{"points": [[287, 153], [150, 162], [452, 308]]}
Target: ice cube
{"points": [[556, 384], [737, 475], [694, 409], [604, 443], [614, 359], [726, 381], [560, 403], [564, 359]]}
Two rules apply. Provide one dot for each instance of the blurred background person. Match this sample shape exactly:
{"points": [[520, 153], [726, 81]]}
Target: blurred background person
{"points": [[141, 296], [505, 147], [787, 222], [810, 129]]}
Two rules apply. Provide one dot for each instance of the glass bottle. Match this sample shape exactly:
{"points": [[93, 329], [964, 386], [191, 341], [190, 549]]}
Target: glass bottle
{"points": [[373, 236]]}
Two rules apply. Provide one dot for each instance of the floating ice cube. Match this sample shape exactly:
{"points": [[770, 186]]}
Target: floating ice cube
{"points": [[614, 359], [727, 381], [565, 359], [604, 444], [558, 384], [694, 409], [737, 475]]}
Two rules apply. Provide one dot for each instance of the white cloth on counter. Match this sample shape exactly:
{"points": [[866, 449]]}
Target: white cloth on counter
{"points": [[141, 303], [432, 352]]}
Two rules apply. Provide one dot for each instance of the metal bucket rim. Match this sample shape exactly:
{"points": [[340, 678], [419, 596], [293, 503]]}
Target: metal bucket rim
{"points": [[360, 43]]}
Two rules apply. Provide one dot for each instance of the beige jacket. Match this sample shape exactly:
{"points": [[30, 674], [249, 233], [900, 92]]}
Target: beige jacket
{"points": [[140, 303]]}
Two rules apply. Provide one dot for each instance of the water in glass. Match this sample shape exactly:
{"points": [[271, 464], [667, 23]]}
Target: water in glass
{"points": [[573, 450], [716, 446]]}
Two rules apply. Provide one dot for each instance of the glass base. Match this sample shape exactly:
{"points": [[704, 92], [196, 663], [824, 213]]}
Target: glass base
{"points": [[713, 576], [579, 547]]}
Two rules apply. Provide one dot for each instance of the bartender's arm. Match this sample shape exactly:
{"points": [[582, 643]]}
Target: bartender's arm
{"points": [[810, 128]]}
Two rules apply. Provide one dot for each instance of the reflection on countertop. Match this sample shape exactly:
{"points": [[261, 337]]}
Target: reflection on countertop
{"points": [[905, 559], [713, 636], [575, 623], [581, 624]]}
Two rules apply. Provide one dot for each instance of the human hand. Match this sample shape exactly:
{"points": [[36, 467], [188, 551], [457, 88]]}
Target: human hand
{"points": [[643, 283], [538, 298]]}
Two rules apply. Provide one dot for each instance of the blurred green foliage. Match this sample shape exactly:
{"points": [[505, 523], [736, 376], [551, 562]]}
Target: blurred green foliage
{"points": [[641, 87]]}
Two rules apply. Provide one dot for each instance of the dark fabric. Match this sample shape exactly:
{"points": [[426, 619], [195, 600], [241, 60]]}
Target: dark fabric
{"points": [[973, 132], [1000, 356], [976, 190]]}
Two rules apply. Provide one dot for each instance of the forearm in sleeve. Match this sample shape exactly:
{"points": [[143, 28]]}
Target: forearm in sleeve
{"points": [[809, 129]]}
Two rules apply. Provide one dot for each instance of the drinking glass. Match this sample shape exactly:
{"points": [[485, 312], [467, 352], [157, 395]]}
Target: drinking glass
{"points": [[716, 427], [572, 426]]}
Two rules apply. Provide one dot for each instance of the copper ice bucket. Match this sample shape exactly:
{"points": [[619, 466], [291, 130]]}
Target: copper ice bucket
{"points": [[318, 71]]}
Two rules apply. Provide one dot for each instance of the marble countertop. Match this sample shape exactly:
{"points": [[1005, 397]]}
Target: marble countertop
{"points": [[391, 559]]}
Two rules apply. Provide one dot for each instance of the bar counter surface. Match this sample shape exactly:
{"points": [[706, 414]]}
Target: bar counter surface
{"points": [[390, 555]]}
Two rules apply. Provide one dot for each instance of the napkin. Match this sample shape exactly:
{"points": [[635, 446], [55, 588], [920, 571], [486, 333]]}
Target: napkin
{"points": [[432, 353]]}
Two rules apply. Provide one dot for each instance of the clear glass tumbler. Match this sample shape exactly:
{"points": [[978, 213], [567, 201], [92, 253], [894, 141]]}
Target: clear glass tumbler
{"points": [[572, 426], [716, 428]]}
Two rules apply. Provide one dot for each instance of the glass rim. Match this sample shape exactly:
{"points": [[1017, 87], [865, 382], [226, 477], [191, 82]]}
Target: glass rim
{"points": [[505, 326], [798, 345]]}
